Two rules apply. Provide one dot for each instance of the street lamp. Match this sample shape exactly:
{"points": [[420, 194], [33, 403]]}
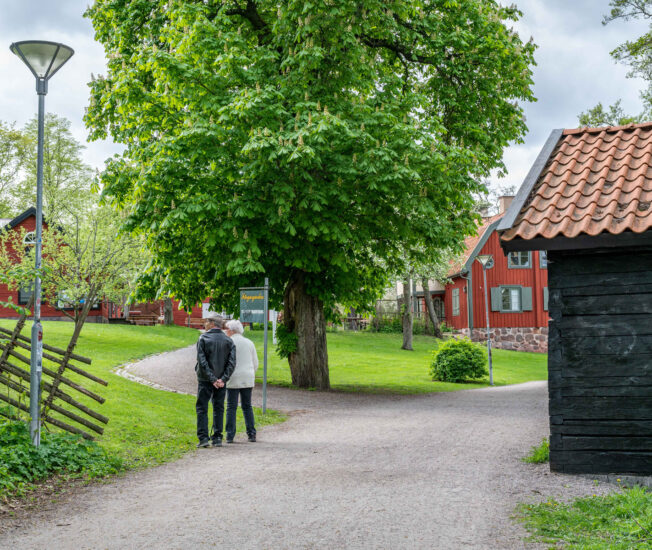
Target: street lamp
{"points": [[43, 59], [487, 262]]}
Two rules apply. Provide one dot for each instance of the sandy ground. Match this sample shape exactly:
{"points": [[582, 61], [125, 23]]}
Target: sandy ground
{"points": [[438, 471]]}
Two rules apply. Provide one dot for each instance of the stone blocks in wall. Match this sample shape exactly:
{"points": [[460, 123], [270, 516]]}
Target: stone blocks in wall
{"points": [[533, 339]]}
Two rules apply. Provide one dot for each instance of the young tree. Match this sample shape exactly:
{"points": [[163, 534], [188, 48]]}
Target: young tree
{"points": [[305, 142], [407, 320], [85, 260]]}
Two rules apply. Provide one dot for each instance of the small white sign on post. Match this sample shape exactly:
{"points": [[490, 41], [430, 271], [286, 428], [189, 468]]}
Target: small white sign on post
{"points": [[274, 316]]}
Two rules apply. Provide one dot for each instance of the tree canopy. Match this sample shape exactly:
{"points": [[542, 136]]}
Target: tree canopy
{"points": [[65, 176], [314, 142]]}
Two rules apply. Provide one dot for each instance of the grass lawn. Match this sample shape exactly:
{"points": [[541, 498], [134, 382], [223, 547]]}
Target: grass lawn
{"points": [[617, 521], [146, 426], [375, 363]]}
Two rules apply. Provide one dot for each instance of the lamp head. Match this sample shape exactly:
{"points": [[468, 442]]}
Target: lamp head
{"points": [[486, 260], [42, 58]]}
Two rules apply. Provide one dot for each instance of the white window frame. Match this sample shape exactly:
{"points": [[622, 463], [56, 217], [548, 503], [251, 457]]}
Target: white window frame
{"points": [[512, 265], [511, 289]]}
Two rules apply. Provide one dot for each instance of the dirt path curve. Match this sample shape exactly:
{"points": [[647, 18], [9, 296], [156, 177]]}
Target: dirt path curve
{"points": [[438, 471]]}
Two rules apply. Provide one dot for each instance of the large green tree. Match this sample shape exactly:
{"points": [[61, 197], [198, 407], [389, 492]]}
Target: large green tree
{"points": [[312, 142]]}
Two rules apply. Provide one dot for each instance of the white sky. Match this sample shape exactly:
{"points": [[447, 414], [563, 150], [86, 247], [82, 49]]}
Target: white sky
{"points": [[574, 69]]}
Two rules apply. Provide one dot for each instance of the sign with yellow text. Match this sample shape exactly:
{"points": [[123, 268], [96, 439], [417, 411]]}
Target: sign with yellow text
{"points": [[252, 306]]}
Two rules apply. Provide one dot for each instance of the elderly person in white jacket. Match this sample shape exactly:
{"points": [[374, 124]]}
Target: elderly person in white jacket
{"points": [[241, 382]]}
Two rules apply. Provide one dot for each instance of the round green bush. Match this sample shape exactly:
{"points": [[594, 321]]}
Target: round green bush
{"points": [[459, 360]]}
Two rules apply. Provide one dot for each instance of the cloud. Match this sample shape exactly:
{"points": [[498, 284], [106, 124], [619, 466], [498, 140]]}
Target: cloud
{"points": [[58, 21], [574, 71]]}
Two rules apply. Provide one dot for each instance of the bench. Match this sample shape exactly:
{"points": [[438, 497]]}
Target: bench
{"points": [[195, 322], [143, 320]]}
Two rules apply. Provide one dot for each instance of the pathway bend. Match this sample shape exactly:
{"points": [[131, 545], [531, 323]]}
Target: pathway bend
{"points": [[346, 470]]}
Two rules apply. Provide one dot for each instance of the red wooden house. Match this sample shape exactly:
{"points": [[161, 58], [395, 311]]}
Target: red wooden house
{"points": [[517, 292], [27, 222], [103, 313]]}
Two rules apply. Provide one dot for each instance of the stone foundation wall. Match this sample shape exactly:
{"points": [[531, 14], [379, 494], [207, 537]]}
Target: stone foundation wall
{"points": [[516, 338]]}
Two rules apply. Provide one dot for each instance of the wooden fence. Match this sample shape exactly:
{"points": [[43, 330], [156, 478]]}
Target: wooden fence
{"points": [[59, 400]]}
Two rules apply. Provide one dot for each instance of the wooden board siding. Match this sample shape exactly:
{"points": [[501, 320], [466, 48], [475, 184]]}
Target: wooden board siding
{"points": [[461, 320], [501, 275], [600, 362]]}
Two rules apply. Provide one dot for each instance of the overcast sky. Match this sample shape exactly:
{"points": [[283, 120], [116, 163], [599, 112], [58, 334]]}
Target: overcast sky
{"points": [[574, 72]]}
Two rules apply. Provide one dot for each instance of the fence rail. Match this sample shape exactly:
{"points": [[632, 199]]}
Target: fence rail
{"points": [[58, 407]]}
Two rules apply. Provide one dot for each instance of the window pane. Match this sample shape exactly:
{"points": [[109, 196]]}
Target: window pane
{"points": [[516, 299], [543, 259], [506, 299], [519, 259]]}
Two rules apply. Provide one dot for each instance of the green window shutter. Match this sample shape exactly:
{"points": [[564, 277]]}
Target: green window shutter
{"points": [[526, 298], [545, 298], [495, 298]]}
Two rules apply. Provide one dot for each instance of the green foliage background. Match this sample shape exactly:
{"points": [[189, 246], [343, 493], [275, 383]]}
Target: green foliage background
{"points": [[323, 137]]}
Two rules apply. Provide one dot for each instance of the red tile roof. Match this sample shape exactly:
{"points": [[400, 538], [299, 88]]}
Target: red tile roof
{"points": [[470, 243], [596, 180]]}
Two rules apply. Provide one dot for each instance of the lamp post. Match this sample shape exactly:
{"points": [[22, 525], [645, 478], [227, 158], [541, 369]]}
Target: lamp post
{"points": [[486, 260], [43, 59]]}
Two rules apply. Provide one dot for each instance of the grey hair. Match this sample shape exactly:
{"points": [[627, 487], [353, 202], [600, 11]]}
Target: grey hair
{"points": [[235, 326], [216, 320]]}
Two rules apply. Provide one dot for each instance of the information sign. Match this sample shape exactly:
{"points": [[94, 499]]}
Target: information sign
{"points": [[254, 308], [252, 305]]}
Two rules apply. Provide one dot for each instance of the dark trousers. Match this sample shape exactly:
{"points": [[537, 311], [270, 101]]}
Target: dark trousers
{"points": [[207, 392], [232, 407]]}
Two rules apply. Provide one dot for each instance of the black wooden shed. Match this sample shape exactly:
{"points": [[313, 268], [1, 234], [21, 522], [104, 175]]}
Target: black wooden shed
{"points": [[587, 202]]}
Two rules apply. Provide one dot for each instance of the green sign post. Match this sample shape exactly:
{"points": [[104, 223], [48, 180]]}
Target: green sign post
{"points": [[254, 308]]}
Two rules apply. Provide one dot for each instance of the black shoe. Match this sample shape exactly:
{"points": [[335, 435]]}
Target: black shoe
{"points": [[217, 442], [229, 440], [204, 443], [252, 439]]}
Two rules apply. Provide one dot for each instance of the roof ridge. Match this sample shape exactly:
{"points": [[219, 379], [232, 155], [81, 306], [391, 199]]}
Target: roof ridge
{"points": [[598, 129]]}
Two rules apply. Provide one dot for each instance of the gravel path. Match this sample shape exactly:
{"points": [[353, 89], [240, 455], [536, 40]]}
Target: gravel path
{"points": [[435, 471]]}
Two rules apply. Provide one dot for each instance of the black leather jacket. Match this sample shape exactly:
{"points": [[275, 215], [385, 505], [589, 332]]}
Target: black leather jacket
{"points": [[215, 356]]}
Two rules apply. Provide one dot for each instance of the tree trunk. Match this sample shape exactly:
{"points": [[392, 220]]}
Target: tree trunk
{"points": [[431, 309], [303, 315], [168, 314], [406, 315]]}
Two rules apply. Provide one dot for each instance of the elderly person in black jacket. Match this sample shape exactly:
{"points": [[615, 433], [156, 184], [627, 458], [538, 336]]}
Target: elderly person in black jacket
{"points": [[215, 364]]}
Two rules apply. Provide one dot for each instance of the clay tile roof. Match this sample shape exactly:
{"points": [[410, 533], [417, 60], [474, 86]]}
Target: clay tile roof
{"points": [[470, 245], [596, 180]]}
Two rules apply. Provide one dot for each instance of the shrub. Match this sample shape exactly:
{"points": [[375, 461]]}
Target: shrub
{"points": [[445, 328], [539, 453], [458, 360], [59, 453]]}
